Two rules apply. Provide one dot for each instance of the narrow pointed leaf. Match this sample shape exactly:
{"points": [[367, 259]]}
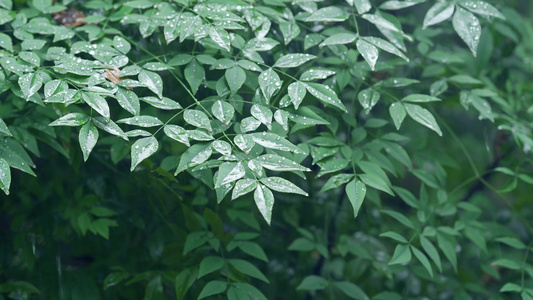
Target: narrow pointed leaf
{"points": [[269, 82], [356, 191], [88, 137], [72, 119], [243, 187], [220, 37], [109, 126], [97, 102], [325, 94], [128, 100], [328, 14], [281, 185], [274, 141], [439, 12], [482, 8], [362, 6], [279, 163], [194, 156], [264, 200], [142, 149], [235, 77], [423, 116], [5, 176], [468, 28], [152, 81], [339, 39], [369, 52], [229, 172], [385, 46], [142, 121], [162, 103], [194, 74], [422, 258], [293, 60], [397, 112], [297, 93], [402, 255]]}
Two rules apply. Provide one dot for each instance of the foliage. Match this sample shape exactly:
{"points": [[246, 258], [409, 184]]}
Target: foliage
{"points": [[302, 104]]}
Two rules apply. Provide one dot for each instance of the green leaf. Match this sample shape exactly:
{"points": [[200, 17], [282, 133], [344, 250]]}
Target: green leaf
{"points": [[5, 176], [197, 118], [395, 236], [376, 182], [289, 30], [447, 245], [350, 290], [328, 14], [6, 42], [253, 249], [229, 172], [29, 84], [273, 141], [264, 200], [397, 112], [4, 129], [468, 28], [369, 52], [249, 291], [194, 156], [72, 119], [356, 191], [235, 78], [97, 102], [247, 268], [263, 114], [464, 79], [269, 82], [314, 74], [325, 94], [279, 163], [512, 242], [281, 185], [385, 46], [244, 142], [210, 264], [297, 91], [336, 181], [476, 236], [439, 12], [30, 57], [142, 121], [243, 187], [195, 75], [183, 282], [195, 240], [423, 116], [481, 8], [293, 60], [380, 22], [109, 126], [399, 217], [223, 111], [339, 39], [142, 149], [162, 103], [395, 5], [430, 250], [402, 255], [420, 98], [511, 287], [362, 6], [368, 98], [128, 100], [87, 137], [213, 288], [222, 147], [177, 133], [154, 289], [508, 263], [312, 283], [220, 37], [422, 259], [152, 81]]}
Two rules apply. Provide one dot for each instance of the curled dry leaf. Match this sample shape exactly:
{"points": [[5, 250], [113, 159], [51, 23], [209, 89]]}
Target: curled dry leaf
{"points": [[69, 17], [114, 76]]}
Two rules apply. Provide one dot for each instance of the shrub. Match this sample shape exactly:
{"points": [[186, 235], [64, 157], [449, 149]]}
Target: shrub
{"points": [[413, 117]]}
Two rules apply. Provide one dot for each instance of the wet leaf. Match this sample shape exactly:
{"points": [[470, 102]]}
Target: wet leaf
{"points": [[293, 60], [128, 100], [468, 28], [279, 163], [71, 119], [6, 42], [5, 176], [325, 94], [220, 37], [422, 116], [315, 74], [244, 142], [439, 12], [328, 14], [152, 81], [336, 181], [109, 126], [281, 185], [263, 114], [142, 121], [162, 103], [297, 91], [274, 141], [481, 8], [339, 39], [87, 138], [142, 149], [194, 74], [289, 30], [177, 133], [29, 84], [269, 82], [222, 147], [97, 102], [197, 118], [194, 156], [368, 98], [362, 6], [385, 46], [264, 200], [235, 77], [369, 52], [229, 172]]}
